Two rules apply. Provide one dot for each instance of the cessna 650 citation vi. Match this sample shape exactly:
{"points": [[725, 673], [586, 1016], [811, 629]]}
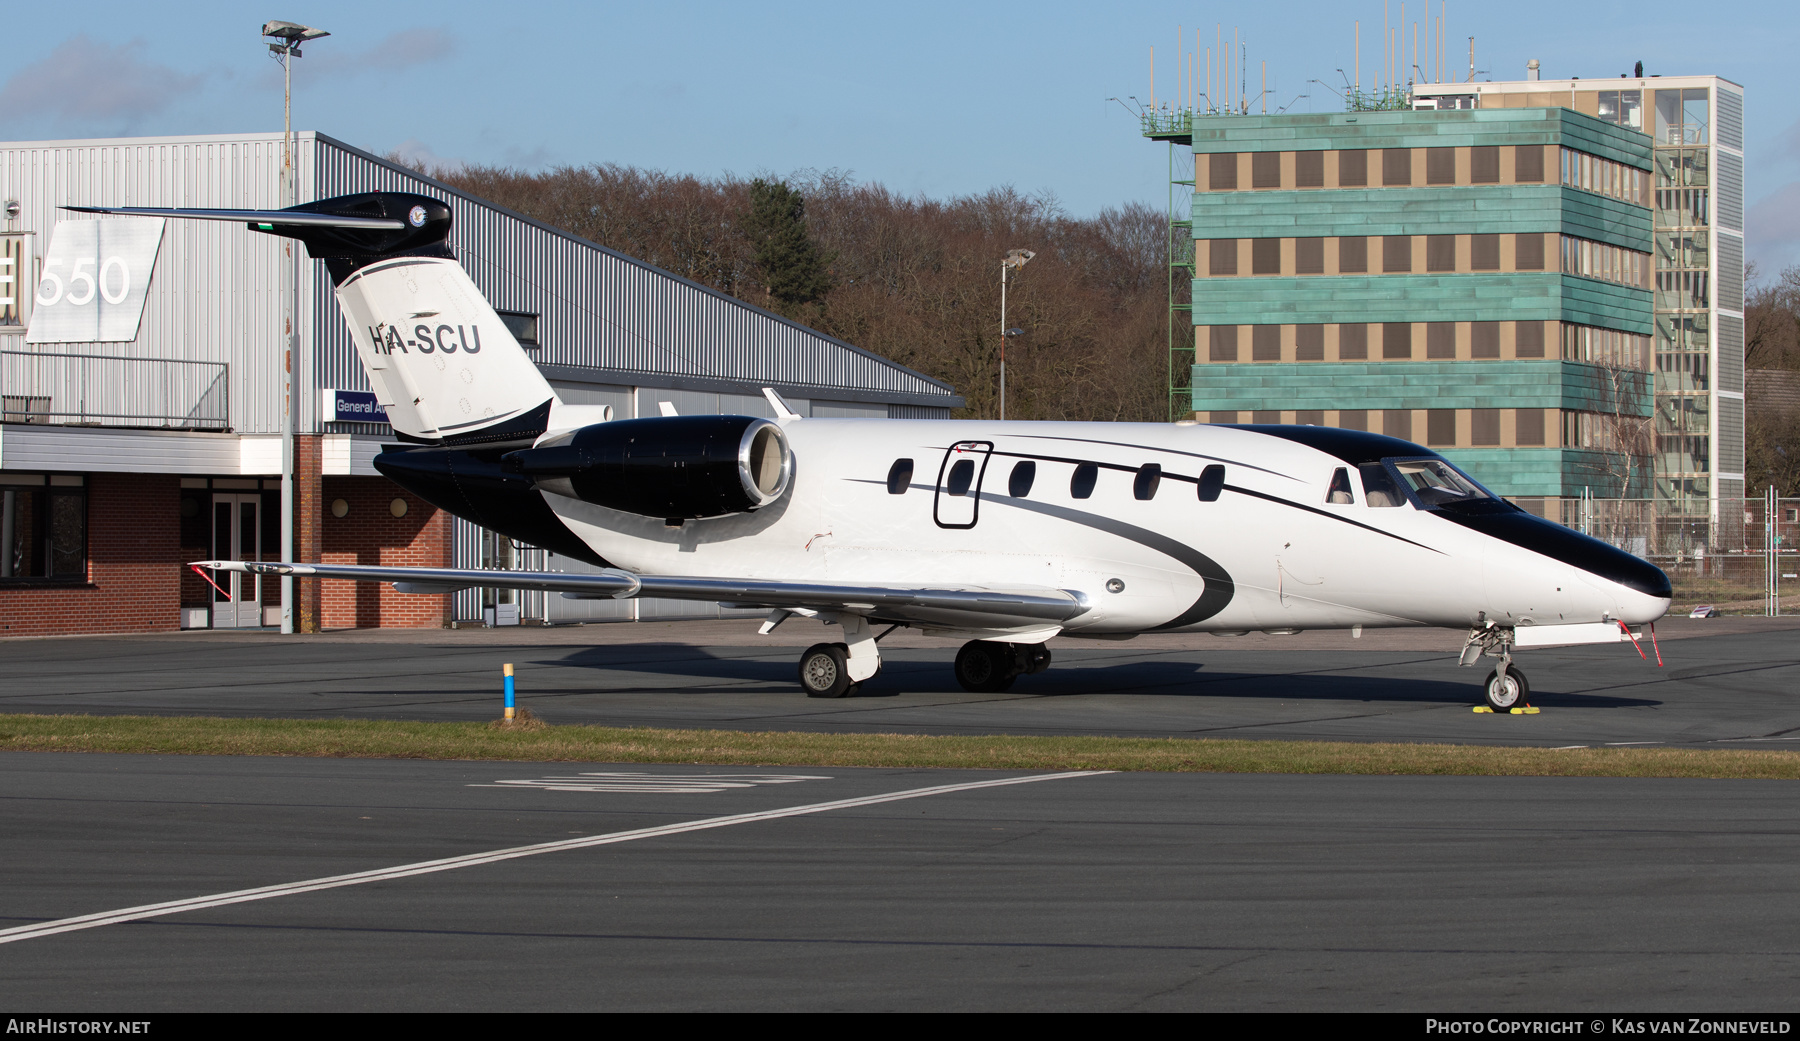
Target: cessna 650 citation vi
{"points": [[1002, 534]]}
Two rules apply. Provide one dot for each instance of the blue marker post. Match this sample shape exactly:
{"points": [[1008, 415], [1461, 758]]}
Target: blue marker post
{"points": [[507, 668]]}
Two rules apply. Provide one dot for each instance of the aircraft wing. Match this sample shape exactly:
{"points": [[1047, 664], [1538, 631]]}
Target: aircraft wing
{"points": [[958, 607]]}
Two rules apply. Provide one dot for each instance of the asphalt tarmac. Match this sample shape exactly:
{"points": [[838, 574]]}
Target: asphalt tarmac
{"points": [[1108, 892], [1725, 681]]}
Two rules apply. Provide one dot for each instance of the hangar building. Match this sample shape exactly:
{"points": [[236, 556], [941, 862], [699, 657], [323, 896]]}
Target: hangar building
{"points": [[126, 453]]}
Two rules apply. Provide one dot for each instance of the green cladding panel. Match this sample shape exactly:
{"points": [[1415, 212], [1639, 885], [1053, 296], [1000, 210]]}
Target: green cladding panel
{"points": [[1501, 209], [1531, 472], [1572, 385], [1326, 299], [1426, 129]]}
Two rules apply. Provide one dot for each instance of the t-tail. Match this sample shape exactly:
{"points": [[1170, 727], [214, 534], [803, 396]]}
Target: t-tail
{"points": [[440, 360]]}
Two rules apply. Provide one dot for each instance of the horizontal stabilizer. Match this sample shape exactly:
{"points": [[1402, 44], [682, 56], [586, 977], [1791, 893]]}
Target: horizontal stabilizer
{"points": [[292, 218]]}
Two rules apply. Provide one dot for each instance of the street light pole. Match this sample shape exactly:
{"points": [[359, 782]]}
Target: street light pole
{"points": [[1015, 259], [290, 36]]}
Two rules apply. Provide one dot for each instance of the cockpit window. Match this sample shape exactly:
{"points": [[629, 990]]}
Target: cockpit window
{"points": [[1378, 486], [1339, 494], [1437, 483]]}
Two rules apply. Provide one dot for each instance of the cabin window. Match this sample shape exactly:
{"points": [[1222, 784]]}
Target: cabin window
{"points": [[1339, 493], [1149, 478], [1211, 483], [1081, 485], [1378, 486], [900, 476], [962, 475], [1019, 484]]}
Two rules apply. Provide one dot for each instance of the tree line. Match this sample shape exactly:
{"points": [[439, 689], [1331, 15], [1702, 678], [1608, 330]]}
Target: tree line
{"points": [[1771, 341], [910, 278]]}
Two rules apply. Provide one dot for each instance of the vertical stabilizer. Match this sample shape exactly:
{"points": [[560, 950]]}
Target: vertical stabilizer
{"points": [[440, 360]]}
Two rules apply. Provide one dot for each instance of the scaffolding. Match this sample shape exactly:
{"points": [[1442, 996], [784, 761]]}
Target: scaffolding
{"points": [[1176, 127]]}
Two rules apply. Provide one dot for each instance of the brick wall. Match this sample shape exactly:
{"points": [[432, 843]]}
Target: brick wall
{"points": [[371, 534], [308, 515], [134, 565]]}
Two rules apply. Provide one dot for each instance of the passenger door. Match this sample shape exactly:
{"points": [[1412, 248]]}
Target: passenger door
{"points": [[957, 501], [237, 535]]}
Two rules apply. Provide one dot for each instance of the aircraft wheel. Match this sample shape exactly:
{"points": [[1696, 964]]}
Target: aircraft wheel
{"points": [[986, 667], [1509, 692], [824, 672], [1037, 658]]}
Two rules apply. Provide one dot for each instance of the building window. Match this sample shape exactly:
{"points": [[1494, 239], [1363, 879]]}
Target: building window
{"points": [[1310, 417], [1396, 340], [1353, 255], [1528, 163], [1221, 417], [1530, 426], [1265, 343], [1396, 253], [1528, 252], [1528, 339], [1353, 168], [1440, 252], [1265, 256], [1266, 417], [1396, 167], [1265, 169], [1224, 343], [1681, 116], [1222, 256], [1484, 164], [1608, 263], [1440, 166], [1353, 342], [1309, 169], [1624, 107], [1484, 340], [1221, 171], [1309, 343], [1484, 252], [1309, 256], [1440, 340], [1353, 419], [1397, 422], [1484, 426], [43, 527], [1605, 177], [1440, 426], [523, 326]]}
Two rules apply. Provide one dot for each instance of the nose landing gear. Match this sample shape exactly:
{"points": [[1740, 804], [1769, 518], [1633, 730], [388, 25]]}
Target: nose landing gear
{"points": [[1506, 686]]}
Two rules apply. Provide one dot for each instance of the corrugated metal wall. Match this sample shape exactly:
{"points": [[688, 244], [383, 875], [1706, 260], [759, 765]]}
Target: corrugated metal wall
{"points": [[213, 295]]}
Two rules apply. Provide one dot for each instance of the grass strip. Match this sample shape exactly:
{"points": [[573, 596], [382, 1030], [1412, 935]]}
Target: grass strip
{"points": [[392, 739]]}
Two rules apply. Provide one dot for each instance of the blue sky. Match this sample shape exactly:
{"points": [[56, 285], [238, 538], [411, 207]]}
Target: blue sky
{"points": [[933, 98]]}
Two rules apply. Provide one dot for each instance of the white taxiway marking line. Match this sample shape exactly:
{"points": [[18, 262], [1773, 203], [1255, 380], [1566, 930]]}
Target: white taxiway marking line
{"points": [[426, 867], [668, 784]]}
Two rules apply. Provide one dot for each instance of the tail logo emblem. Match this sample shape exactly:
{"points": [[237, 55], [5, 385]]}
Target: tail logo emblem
{"points": [[416, 217]]}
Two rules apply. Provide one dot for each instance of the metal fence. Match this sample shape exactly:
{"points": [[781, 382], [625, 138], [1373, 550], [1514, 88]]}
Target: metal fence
{"points": [[1738, 555], [99, 390]]}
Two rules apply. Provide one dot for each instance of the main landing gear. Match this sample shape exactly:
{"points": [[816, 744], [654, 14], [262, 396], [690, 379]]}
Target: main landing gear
{"points": [[835, 670], [1506, 687], [988, 666]]}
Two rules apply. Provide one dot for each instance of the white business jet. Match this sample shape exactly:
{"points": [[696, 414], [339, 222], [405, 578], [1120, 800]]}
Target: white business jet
{"points": [[1005, 535]]}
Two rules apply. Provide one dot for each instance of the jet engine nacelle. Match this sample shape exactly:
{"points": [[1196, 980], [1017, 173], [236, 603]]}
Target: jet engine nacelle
{"points": [[674, 467]]}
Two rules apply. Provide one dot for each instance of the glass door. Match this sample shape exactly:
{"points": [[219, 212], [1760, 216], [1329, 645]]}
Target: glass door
{"points": [[237, 535]]}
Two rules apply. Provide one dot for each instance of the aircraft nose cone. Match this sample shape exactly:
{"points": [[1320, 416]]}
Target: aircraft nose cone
{"points": [[1573, 548]]}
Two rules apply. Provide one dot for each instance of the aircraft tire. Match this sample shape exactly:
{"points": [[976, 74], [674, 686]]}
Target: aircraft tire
{"points": [[986, 667], [1037, 657], [824, 671], [1506, 696]]}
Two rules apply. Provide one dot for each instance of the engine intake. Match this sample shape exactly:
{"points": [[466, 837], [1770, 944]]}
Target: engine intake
{"points": [[674, 467]]}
